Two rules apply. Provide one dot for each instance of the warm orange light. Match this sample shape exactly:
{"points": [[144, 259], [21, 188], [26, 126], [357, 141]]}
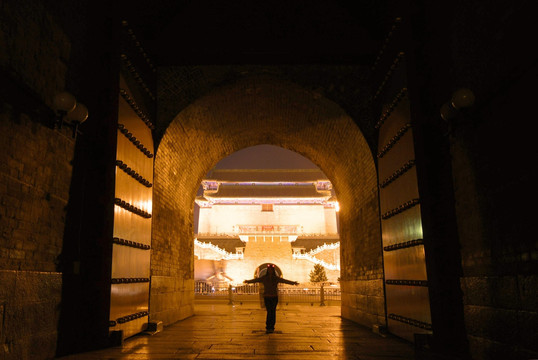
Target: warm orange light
{"points": [[336, 206]]}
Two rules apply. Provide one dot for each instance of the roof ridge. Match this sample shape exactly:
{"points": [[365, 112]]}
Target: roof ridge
{"points": [[266, 183], [267, 170]]}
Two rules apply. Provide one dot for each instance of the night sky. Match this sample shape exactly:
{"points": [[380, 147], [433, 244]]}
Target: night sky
{"points": [[265, 157]]}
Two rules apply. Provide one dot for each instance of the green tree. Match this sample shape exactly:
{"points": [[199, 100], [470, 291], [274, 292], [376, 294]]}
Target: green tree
{"points": [[318, 274]]}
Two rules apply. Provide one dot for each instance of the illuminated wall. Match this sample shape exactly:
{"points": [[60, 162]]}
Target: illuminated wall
{"points": [[224, 219]]}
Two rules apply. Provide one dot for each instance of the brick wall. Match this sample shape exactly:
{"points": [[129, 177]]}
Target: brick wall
{"points": [[35, 176], [346, 85], [261, 110], [29, 302], [477, 45], [38, 59], [499, 256]]}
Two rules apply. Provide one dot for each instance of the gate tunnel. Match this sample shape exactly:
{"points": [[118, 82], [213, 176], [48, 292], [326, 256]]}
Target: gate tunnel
{"points": [[253, 111]]}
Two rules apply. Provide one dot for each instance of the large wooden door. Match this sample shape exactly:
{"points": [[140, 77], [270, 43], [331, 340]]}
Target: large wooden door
{"points": [[129, 291], [406, 280]]}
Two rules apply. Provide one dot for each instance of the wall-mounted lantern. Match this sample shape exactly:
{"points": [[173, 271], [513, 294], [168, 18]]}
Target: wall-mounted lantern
{"points": [[461, 98], [69, 112]]}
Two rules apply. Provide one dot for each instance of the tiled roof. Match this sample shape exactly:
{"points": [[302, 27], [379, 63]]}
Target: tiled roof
{"points": [[266, 175], [267, 191]]}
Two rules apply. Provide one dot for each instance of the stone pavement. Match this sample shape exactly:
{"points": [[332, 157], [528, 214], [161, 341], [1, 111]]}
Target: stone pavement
{"points": [[219, 331]]}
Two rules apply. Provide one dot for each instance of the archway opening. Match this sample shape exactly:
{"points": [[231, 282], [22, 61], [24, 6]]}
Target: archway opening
{"points": [[262, 270], [265, 204], [263, 110]]}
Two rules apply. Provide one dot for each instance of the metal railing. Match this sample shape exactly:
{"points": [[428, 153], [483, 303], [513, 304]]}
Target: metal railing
{"points": [[204, 289], [318, 294]]}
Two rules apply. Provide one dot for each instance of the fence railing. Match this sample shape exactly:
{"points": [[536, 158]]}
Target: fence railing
{"points": [[318, 294]]}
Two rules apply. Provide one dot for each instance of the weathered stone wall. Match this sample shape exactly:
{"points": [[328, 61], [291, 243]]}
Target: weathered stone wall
{"points": [[29, 312], [35, 175], [363, 298], [261, 110], [34, 180], [171, 298]]}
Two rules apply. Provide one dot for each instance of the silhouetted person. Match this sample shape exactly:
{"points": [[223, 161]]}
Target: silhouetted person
{"points": [[270, 294]]}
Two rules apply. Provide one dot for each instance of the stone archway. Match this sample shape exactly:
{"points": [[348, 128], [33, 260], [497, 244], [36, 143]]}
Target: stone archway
{"points": [[262, 269], [262, 110]]}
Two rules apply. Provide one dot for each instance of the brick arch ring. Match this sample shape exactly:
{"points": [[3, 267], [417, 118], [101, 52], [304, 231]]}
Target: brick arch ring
{"points": [[264, 110]]}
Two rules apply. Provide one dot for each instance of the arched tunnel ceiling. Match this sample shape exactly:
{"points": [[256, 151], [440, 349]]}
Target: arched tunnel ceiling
{"points": [[180, 32], [346, 85], [325, 47]]}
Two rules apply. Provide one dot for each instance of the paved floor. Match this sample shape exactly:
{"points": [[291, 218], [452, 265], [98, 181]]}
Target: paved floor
{"points": [[219, 331]]}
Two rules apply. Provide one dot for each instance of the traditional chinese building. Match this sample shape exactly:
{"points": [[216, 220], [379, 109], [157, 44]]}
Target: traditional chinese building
{"points": [[249, 218]]}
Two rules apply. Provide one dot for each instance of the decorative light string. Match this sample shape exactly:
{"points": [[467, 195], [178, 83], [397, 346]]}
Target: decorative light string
{"points": [[323, 247], [225, 254], [316, 261]]}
